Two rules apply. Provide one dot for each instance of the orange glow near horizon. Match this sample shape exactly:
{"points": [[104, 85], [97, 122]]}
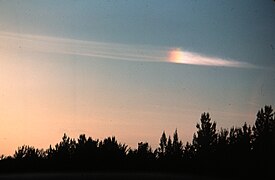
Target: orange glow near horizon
{"points": [[40, 101], [46, 92]]}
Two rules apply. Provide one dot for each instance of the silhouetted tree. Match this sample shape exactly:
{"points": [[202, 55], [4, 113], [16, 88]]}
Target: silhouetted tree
{"points": [[29, 153], [142, 157], [233, 135], [177, 146], [222, 138], [144, 151], [206, 138], [264, 140], [111, 151], [64, 150], [264, 131], [222, 151], [86, 149], [240, 150], [169, 147], [246, 139], [162, 146], [189, 152]]}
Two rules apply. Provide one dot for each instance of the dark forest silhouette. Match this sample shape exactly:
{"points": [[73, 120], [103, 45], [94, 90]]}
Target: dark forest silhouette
{"points": [[242, 151]]}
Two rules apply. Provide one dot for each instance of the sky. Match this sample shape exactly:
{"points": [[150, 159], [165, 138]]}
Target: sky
{"points": [[131, 69]]}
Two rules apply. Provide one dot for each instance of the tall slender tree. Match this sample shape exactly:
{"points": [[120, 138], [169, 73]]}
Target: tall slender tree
{"points": [[264, 132], [177, 146], [162, 145], [206, 137]]}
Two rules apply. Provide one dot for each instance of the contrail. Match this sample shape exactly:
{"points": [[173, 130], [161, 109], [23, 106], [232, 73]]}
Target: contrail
{"points": [[46, 44], [13, 42], [185, 57]]}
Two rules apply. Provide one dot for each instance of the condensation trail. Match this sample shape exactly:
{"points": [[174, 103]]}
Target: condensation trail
{"points": [[185, 57], [45, 44], [95, 49]]}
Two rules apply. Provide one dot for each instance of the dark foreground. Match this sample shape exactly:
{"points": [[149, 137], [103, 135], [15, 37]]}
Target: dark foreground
{"points": [[103, 176]]}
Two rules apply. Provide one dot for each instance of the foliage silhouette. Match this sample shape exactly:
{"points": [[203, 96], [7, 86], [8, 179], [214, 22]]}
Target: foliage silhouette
{"points": [[29, 153], [206, 138], [240, 150], [161, 151], [86, 149], [177, 151], [264, 138], [264, 130]]}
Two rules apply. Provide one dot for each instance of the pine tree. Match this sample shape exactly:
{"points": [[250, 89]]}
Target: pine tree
{"points": [[206, 138], [162, 145], [264, 132], [177, 146]]}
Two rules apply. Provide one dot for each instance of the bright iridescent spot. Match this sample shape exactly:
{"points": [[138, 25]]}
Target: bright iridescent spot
{"points": [[185, 57], [176, 56]]}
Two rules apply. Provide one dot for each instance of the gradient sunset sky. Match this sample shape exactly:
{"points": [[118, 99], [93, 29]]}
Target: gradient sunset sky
{"points": [[131, 68]]}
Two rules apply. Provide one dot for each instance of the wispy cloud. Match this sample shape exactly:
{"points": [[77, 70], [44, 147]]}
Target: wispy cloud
{"points": [[105, 50], [45, 44], [186, 57]]}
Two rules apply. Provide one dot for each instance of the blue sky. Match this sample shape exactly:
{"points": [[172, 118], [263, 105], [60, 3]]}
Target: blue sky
{"points": [[237, 30], [102, 67]]}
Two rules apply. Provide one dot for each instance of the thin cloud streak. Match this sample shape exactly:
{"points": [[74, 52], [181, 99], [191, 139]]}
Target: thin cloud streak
{"points": [[185, 57], [45, 44]]}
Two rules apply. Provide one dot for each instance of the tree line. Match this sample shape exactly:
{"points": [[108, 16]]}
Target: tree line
{"points": [[246, 150]]}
